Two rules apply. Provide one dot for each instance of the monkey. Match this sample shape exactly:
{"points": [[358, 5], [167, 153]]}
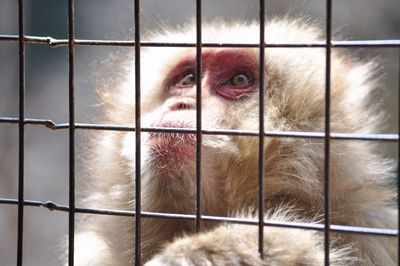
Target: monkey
{"points": [[294, 95]]}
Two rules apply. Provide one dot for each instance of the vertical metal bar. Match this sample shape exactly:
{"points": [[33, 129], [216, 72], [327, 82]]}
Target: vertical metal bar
{"points": [[398, 161], [198, 113], [261, 168], [21, 132], [138, 180], [327, 126], [71, 58]]}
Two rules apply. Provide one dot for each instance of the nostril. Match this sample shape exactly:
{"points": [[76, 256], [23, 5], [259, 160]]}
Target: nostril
{"points": [[181, 106]]}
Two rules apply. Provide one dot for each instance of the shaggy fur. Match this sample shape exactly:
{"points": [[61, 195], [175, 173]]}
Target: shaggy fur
{"points": [[295, 91]]}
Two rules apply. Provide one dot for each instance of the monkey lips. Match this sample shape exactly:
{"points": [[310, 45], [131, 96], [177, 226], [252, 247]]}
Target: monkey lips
{"points": [[173, 153]]}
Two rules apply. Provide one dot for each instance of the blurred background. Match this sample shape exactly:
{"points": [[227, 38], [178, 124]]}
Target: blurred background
{"points": [[46, 152]]}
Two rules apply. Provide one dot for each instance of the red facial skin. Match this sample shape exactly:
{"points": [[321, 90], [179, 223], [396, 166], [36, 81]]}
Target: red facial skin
{"points": [[219, 67], [172, 152], [224, 66]]}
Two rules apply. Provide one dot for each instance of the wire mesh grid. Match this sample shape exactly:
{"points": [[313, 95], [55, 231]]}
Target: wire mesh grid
{"points": [[23, 40]]}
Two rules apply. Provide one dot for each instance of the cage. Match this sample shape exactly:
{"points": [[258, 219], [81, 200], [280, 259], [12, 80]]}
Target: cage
{"points": [[21, 118]]}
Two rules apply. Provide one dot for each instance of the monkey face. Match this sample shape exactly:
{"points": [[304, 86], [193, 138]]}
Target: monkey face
{"points": [[294, 100], [229, 77]]}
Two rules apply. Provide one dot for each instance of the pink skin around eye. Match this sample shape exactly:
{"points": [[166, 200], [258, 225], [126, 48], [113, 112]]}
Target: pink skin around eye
{"points": [[185, 66], [225, 65], [234, 92], [221, 65], [175, 88]]}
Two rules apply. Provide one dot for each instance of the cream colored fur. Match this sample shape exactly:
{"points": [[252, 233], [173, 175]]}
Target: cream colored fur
{"points": [[295, 78]]}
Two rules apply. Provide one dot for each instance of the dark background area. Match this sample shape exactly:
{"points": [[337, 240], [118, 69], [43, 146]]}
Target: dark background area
{"points": [[46, 161]]}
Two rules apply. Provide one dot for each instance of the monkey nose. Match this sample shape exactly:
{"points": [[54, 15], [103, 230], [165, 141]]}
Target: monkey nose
{"points": [[181, 104]]}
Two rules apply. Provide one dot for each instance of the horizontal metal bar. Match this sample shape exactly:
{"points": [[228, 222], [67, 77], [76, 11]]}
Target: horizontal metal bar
{"points": [[53, 42], [298, 225], [40, 122], [232, 132]]}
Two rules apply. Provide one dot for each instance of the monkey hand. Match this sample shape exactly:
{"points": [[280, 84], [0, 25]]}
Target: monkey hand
{"points": [[238, 245]]}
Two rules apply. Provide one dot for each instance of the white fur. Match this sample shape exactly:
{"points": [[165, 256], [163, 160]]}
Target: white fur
{"points": [[295, 94]]}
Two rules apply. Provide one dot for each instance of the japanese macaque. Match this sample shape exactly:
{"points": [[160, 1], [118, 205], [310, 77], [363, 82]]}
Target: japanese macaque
{"points": [[360, 193]]}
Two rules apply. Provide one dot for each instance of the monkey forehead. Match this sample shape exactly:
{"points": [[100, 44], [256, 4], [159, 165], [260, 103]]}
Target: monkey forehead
{"points": [[239, 32], [218, 57], [276, 30], [232, 58]]}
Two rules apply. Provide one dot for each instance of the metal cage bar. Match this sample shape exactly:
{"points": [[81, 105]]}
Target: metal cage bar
{"points": [[198, 113], [71, 110], [54, 42], [138, 167], [51, 206], [261, 105], [398, 159], [21, 133], [228, 132], [327, 129]]}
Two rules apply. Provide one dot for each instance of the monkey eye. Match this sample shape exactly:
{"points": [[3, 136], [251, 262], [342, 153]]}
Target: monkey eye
{"points": [[187, 81], [238, 86], [240, 80]]}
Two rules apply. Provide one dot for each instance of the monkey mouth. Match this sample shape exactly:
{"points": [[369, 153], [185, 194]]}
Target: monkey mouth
{"points": [[170, 138], [172, 153], [175, 119]]}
